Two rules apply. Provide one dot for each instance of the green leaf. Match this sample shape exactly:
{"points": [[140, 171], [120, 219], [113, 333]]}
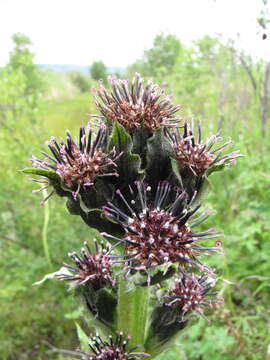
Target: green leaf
{"points": [[96, 196], [83, 338], [100, 305], [106, 306], [50, 174], [216, 168], [93, 218], [165, 324], [140, 137], [175, 168], [219, 166], [190, 182], [158, 159], [128, 165]]}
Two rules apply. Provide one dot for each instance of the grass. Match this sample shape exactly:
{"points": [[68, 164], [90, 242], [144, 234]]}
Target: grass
{"points": [[60, 114]]}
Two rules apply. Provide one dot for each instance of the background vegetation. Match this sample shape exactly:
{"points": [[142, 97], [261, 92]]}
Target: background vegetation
{"points": [[217, 84]]}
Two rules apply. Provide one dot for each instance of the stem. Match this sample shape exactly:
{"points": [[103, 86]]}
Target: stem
{"points": [[132, 312], [45, 229]]}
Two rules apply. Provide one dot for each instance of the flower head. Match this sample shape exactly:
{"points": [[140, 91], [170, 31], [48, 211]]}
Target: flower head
{"points": [[90, 268], [198, 156], [112, 349], [80, 164], [135, 105], [158, 233], [192, 293]]}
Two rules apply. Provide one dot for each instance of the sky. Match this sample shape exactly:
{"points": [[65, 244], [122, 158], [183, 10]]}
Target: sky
{"points": [[118, 31]]}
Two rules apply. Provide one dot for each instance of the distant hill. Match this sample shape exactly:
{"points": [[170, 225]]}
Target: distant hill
{"points": [[81, 68]]}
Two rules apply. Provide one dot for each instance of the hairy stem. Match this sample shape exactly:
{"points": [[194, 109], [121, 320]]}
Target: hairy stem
{"points": [[132, 312]]}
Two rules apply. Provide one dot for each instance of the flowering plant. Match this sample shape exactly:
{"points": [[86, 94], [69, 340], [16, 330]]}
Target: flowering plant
{"points": [[138, 179]]}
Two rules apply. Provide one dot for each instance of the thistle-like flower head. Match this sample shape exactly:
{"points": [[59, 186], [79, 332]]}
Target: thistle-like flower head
{"points": [[80, 164], [135, 105], [93, 268], [112, 349], [196, 155], [192, 293], [158, 233]]}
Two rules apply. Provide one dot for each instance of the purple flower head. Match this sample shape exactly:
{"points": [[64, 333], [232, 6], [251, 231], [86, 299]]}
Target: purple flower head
{"points": [[160, 232], [112, 349], [93, 268], [192, 293], [196, 155], [136, 104], [79, 164]]}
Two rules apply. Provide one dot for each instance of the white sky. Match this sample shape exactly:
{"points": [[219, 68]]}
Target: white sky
{"points": [[117, 31]]}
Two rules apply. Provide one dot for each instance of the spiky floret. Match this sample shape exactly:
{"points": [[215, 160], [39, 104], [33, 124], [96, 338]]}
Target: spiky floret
{"points": [[79, 164], [93, 268], [196, 155], [136, 104], [158, 233], [192, 293], [112, 349]]}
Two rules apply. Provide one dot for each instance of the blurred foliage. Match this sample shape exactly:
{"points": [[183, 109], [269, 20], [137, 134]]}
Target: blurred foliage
{"points": [[212, 84], [98, 71], [81, 81], [160, 59], [21, 60]]}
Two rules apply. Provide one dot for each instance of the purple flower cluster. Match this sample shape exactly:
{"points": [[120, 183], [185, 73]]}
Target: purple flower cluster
{"points": [[138, 180]]}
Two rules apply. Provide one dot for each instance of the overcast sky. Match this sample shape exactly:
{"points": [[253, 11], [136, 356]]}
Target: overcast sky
{"points": [[117, 31]]}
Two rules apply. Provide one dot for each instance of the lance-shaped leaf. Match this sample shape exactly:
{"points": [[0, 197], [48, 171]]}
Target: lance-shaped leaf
{"points": [[128, 164], [101, 304], [83, 338], [96, 196], [195, 186], [52, 176], [49, 174], [158, 160], [222, 165], [165, 324], [94, 218], [139, 138]]}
